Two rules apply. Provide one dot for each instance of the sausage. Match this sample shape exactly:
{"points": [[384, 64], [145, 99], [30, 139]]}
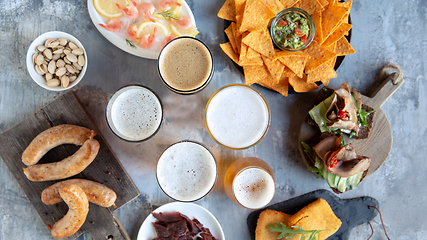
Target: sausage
{"points": [[78, 208], [96, 192], [65, 168], [54, 137]]}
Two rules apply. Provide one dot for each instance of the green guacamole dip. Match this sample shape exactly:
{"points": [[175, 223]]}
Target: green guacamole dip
{"points": [[291, 30]]}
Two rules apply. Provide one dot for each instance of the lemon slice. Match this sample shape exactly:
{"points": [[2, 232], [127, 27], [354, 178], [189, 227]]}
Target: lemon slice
{"points": [[147, 27], [108, 8], [170, 11], [191, 32]]}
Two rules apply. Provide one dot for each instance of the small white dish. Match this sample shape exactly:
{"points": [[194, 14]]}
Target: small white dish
{"points": [[191, 210], [40, 80]]}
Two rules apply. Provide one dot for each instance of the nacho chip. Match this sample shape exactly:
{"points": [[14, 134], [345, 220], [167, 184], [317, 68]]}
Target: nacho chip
{"points": [[281, 86], [260, 41], [343, 47], [323, 72], [324, 2], [289, 3], [252, 58], [337, 34], [228, 11], [239, 6], [318, 215], [310, 6], [346, 4], [317, 19], [318, 55], [295, 61], [275, 67], [254, 73], [301, 84], [275, 5], [243, 52], [229, 31], [269, 217], [256, 15], [228, 49], [331, 19]]}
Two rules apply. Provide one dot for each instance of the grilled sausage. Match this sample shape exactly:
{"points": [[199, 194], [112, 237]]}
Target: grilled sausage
{"points": [[96, 192], [78, 208], [68, 167], [54, 137]]}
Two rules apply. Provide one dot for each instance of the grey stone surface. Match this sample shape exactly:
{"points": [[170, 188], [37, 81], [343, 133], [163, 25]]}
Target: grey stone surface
{"points": [[383, 31]]}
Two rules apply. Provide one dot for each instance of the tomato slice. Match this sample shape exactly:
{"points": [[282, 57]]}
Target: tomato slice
{"points": [[304, 39], [298, 31], [282, 23]]}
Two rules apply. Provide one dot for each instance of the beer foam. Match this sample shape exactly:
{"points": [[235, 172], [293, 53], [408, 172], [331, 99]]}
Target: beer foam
{"points": [[186, 171], [253, 188], [135, 114], [237, 116]]}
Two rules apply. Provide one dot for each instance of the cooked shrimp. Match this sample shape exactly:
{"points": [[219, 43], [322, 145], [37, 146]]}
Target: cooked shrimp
{"points": [[168, 39], [147, 40], [183, 22], [165, 4], [131, 10], [114, 25], [132, 32], [147, 9]]}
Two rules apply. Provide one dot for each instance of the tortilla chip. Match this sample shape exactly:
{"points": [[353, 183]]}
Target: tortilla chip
{"points": [[275, 5], [323, 72], [228, 11], [269, 217], [228, 49], [229, 31], [260, 41], [289, 3], [295, 61], [252, 58], [346, 4], [243, 52], [333, 2], [254, 73], [337, 34], [239, 6], [256, 15], [318, 55], [318, 215], [331, 19], [301, 84], [275, 67], [281, 86], [310, 6], [324, 2], [343, 47], [317, 19]]}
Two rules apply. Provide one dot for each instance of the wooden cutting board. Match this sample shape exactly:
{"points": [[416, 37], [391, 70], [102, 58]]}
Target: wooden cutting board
{"points": [[101, 222], [379, 143]]}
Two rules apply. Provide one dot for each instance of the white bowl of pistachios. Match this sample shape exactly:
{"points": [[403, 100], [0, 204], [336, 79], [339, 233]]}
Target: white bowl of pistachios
{"points": [[56, 61]]}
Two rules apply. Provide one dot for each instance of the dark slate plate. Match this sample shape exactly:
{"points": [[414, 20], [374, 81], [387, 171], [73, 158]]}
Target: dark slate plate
{"points": [[352, 212]]}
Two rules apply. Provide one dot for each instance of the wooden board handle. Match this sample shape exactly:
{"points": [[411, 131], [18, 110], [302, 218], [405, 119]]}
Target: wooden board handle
{"points": [[391, 83]]}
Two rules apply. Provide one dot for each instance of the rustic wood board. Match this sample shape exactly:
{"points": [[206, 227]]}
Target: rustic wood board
{"points": [[379, 143], [106, 168]]}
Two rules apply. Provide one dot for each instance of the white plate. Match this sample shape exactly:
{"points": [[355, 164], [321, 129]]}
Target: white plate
{"points": [[191, 210], [119, 38]]}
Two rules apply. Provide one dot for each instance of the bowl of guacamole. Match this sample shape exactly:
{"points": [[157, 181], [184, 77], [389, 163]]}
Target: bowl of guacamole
{"points": [[292, 29]]}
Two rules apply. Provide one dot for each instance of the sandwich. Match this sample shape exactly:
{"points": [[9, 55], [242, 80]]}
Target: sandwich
{"points": [[341, 111], [338, 113]]}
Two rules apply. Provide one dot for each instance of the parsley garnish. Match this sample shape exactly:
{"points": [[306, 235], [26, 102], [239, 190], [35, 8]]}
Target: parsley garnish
{"points": [[288, 232], [362, 114], [130, 43]]}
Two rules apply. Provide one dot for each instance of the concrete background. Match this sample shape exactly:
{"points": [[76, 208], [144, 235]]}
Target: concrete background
{"points": [[383, 31]]}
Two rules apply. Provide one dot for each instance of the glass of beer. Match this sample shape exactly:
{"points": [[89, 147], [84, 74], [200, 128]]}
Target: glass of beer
{"points": [[186, 171], [185, 65], [134, 113], [237, 116], [250, 183]]}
